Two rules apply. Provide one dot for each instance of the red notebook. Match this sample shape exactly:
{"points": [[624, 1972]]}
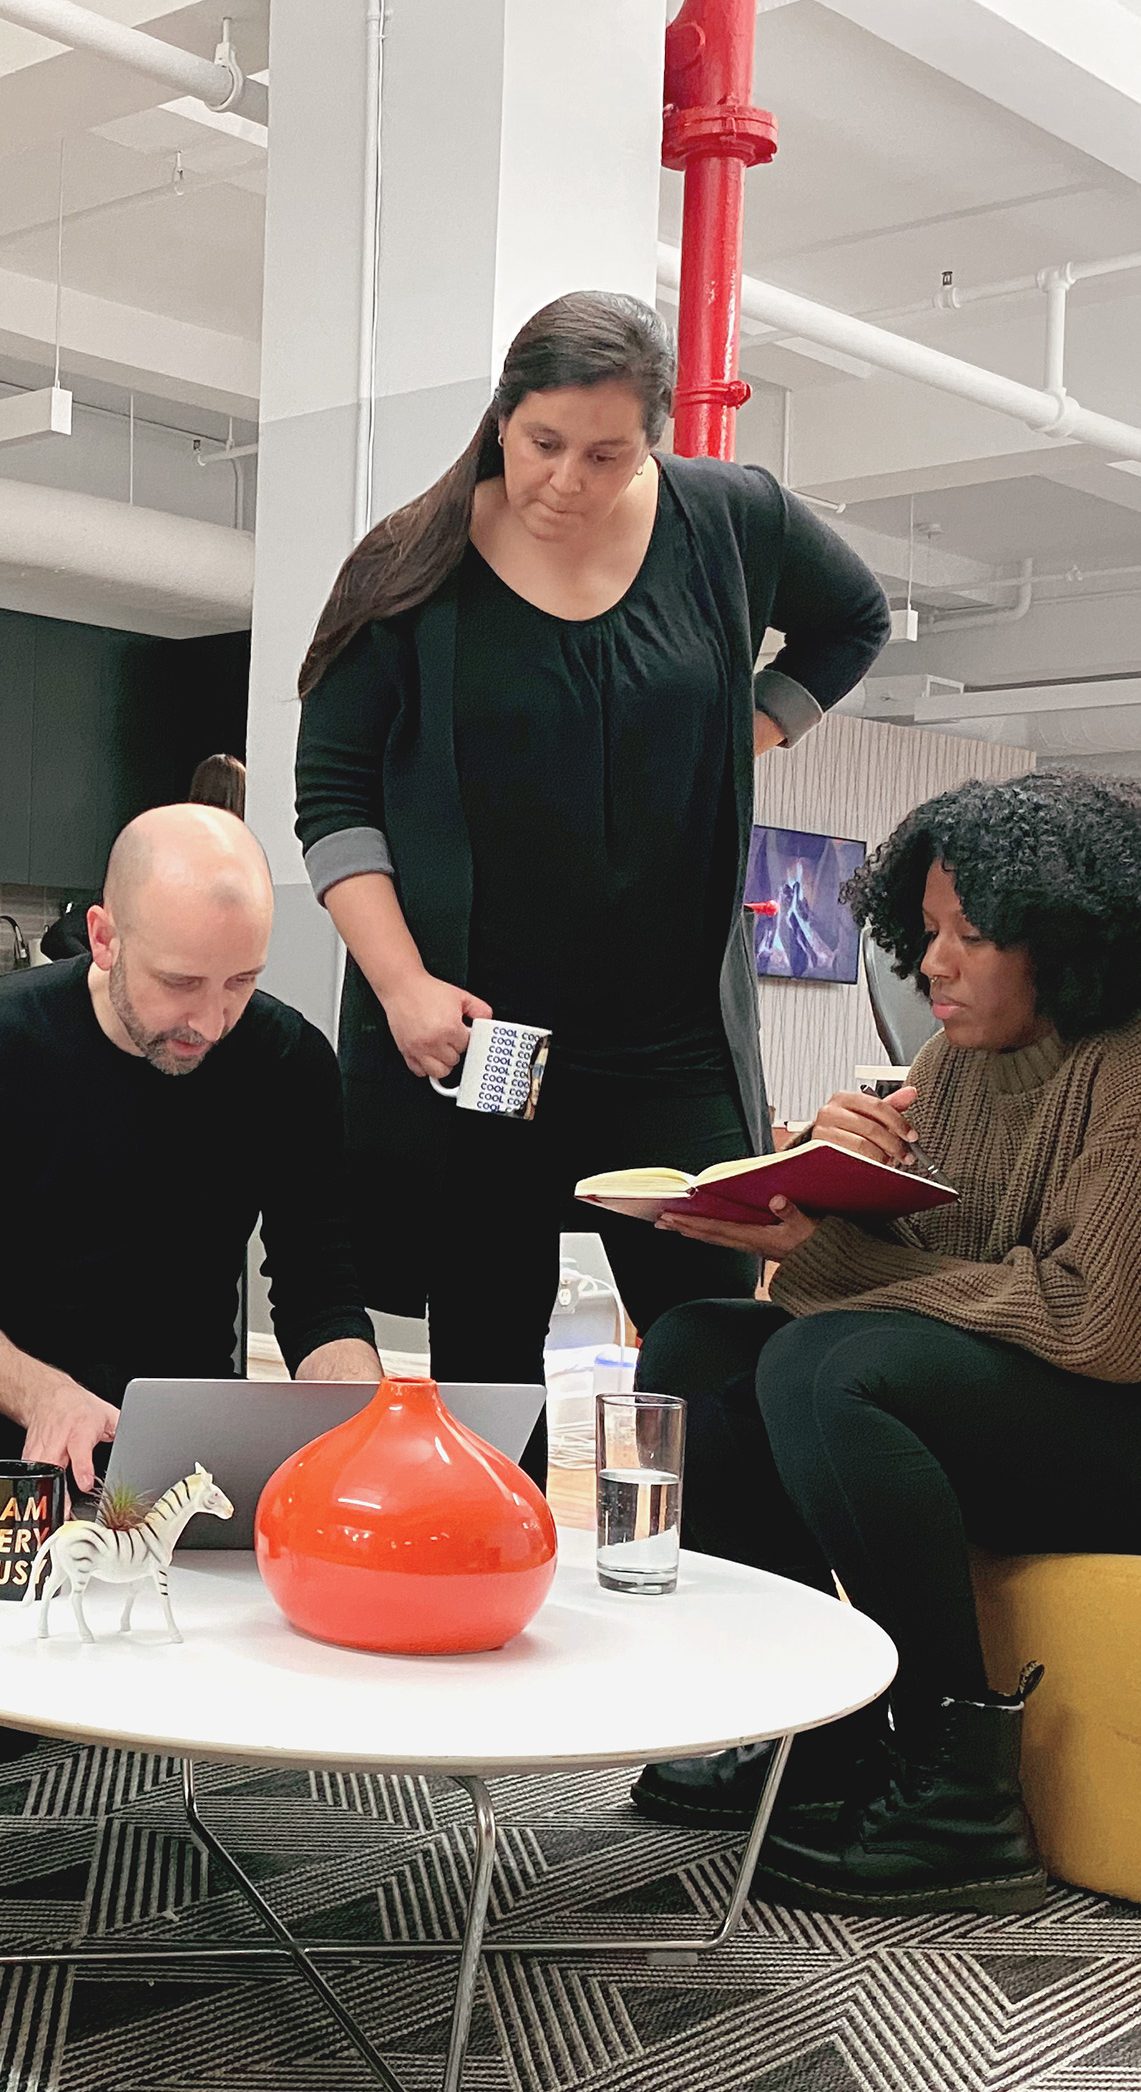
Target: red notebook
{"points": [[818, 1176]]}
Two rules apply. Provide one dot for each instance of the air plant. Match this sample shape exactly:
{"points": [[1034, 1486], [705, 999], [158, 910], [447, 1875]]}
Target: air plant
{"points": [[121, 1508]]}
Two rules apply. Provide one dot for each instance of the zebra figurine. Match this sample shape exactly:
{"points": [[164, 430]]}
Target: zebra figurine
{"points": [[82, 1548]]}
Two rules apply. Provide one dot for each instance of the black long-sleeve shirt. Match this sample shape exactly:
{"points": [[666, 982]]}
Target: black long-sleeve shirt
{"points": [[379, 789], [127, 1197], [779, 566]]}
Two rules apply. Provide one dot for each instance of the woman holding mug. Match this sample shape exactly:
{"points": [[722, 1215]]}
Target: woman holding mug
{"points": [[525, 786]]}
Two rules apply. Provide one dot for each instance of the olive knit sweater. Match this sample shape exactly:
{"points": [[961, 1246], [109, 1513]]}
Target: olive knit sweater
{"points": [[1043, 1249]]}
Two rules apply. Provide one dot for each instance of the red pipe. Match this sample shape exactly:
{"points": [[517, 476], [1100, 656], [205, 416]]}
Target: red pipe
{"points": [[712, 132]]}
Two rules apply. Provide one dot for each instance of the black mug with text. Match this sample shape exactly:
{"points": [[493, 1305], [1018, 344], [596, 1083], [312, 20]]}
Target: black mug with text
{"points": [[32, 1504]]}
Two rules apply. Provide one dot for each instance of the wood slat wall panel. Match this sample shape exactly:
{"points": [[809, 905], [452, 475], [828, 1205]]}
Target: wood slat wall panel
{"points": [[854, 777]]}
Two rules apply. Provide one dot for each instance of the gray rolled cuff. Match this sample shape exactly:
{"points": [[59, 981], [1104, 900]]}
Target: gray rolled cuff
{"points": [[344, 854], [794, 708]]}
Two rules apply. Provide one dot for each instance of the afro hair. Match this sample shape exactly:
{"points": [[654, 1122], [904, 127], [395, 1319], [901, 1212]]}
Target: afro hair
{"points": [[1050, 862]]}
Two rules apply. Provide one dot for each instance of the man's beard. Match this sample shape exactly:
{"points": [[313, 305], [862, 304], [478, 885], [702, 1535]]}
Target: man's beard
{"points": [[154, 1046]]}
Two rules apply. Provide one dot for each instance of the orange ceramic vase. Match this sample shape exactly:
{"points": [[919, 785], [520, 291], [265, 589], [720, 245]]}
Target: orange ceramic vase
{"points": [[401, 1530]]}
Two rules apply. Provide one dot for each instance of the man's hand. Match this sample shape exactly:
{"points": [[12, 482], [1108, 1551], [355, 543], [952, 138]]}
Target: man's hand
{"points": [[789, 1228], [877, 1127], [346, 1358], [426, 1018], [65, 1426]]}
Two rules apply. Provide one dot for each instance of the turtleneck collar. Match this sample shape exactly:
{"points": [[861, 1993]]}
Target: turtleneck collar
{"points": [[1028, 1067]]}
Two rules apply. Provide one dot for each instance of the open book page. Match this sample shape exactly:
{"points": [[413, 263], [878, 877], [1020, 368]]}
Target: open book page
{"points": [[818, 1176]]}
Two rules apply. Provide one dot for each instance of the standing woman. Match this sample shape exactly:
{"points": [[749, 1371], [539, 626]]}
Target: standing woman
{"points": [[525, 787]]}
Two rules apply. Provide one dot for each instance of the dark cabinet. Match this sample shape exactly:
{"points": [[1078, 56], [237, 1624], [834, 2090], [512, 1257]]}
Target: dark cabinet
{"points": [[95, 725], [17, 653], [72, 698]]}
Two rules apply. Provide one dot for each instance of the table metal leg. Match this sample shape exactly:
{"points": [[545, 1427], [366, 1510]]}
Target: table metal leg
{"points": [[297, 1953], [471, 1947], [681, 1949], [467, 1975], [475, 1918]]}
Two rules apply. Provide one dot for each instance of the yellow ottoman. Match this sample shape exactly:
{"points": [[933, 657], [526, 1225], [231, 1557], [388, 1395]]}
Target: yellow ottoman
{"points": [[1080, 1615]]}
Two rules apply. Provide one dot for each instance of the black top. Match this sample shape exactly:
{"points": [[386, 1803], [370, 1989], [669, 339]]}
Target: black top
{"points": [[129, 1196], [593, 764], [378, 788]]}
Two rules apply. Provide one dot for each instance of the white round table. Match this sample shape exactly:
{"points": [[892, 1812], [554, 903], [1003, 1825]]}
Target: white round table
{"points": [[600, 1678]]}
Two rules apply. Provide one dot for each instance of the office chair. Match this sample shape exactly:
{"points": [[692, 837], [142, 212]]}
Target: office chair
{"points": [[902, 1014]]}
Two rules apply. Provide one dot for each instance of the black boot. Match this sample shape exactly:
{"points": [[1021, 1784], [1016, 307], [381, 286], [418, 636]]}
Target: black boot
{"points": [[16, 1743], [825, 1768], [947, 1830], [719, 1793]]}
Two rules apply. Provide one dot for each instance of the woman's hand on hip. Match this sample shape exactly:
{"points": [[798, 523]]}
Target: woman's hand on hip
{"points": [[427, 1021], [788, 1229], [873, 1126]]}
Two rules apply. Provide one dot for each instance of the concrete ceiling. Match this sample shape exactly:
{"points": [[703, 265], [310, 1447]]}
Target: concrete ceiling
{"points": [[888, 173], [921, 140], [163, 212]]}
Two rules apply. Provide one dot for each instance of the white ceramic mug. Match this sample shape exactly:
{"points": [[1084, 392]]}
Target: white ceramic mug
{"points": [[501, 1070]]}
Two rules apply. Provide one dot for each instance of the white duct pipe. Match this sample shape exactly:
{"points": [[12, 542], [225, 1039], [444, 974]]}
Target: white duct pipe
{"points": [[218, 82], [983, 620], [175, 564], [1048, 413]]}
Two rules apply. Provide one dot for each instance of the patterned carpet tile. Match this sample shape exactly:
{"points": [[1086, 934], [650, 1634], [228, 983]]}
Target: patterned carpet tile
{"points": [[94, 1847]]}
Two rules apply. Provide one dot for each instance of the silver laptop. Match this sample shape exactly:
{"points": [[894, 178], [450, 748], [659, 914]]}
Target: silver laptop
{"points": [[243, 1429]]}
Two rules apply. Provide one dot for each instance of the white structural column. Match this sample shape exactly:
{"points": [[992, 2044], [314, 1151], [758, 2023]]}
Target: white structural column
{"points": [[519, 155]]}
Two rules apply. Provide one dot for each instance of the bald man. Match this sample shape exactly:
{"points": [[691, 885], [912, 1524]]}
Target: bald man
{"points": [[155, 1104]]}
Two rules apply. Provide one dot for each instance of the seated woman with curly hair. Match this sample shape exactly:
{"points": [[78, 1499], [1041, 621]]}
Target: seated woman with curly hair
{"points": [[970, 1375]]}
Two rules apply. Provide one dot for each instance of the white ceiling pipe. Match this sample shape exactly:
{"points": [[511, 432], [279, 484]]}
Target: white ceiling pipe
{"points": [[224, 456], [1071, 576], [981, 620], [1056, 284], [953, 297], [1049, 413], [990, 701], [218, 82], [175, 561], [1082, 272]]}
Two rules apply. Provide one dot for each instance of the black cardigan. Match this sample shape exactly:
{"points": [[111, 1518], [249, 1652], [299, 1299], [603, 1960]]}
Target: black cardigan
{"points": [[377, 789]]}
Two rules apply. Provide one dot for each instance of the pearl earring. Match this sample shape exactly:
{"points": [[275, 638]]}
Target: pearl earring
{"points": [[499, 439]]}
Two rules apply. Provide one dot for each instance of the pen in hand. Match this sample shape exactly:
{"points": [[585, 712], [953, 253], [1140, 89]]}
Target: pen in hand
{"points": [[924, 1167]]}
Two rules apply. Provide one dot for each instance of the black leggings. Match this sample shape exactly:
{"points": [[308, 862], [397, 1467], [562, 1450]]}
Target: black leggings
{"points": [[490, 1296], [878, 1446]]}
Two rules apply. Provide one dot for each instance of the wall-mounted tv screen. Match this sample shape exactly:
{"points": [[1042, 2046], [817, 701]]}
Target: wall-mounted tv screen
{"points": [[801, 929]]}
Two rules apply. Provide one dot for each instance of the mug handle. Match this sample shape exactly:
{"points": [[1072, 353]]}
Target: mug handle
{"points": [[451, 1090]]}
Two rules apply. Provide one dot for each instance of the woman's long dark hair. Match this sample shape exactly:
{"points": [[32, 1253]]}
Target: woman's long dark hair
{"points": [[583, 339]]}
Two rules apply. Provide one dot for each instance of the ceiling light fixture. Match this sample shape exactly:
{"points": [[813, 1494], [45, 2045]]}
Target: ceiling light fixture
{"points": [[46, 412]]}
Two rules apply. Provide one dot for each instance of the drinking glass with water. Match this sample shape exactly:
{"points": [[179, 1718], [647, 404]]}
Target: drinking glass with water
{"points": [[639, 1448]]}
